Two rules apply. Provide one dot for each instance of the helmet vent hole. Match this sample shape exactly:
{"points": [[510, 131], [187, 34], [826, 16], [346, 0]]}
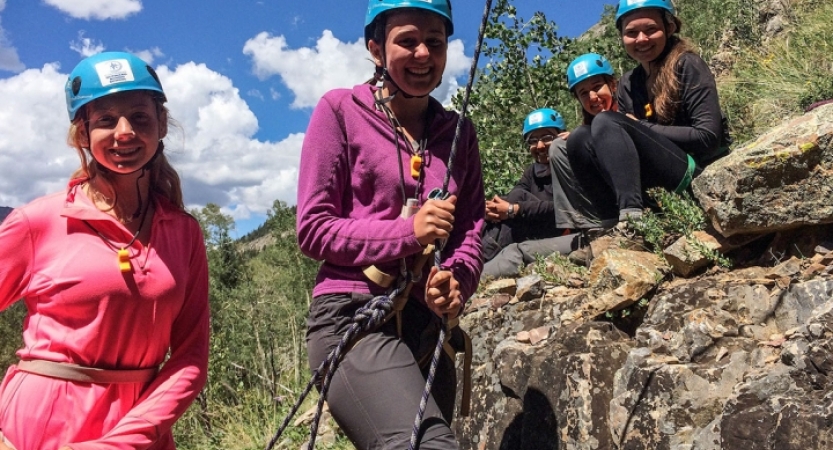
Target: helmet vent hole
{"points": [[154, 75], [76, 85]]}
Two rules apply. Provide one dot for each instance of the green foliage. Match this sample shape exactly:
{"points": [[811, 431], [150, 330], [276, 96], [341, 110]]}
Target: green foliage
{"points": [[11, 333], [525, 69], [709, 24], [679, 215], [770, 83], [555, 268], [258, 364]]}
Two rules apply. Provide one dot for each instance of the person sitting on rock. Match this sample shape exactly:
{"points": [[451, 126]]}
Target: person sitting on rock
{"points": [[522, 225], [665, 127]]}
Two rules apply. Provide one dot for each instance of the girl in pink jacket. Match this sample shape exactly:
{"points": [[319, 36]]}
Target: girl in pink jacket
{"points": [[114, 276]]}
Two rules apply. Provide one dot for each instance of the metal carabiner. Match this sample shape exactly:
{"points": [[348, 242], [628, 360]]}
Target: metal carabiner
{"points": [[438, 194]]}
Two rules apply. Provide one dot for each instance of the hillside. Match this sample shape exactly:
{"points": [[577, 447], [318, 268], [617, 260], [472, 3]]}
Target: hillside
{"points": [[4, 211]]}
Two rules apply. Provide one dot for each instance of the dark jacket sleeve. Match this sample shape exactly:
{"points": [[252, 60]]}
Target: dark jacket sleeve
{"points": [[534, 203]]}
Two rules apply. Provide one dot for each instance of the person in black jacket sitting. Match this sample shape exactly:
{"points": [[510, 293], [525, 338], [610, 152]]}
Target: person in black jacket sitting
{"points": [[521, 225]]}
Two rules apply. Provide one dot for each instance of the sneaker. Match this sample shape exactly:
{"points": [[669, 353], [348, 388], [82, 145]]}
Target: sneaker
{"points": [[583, 256]]}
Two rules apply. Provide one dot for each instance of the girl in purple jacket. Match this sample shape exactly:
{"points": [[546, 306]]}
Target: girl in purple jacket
{"points": [[371, 155]]}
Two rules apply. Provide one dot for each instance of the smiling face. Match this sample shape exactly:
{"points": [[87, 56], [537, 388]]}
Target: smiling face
{"points": [[415, 50], [539, 142], [124, 130], [644, 34], [596, 94]]}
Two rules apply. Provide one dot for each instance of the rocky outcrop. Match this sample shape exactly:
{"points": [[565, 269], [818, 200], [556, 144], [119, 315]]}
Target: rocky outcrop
{"points": [[711, 361], [782, 180], [626, 356]]}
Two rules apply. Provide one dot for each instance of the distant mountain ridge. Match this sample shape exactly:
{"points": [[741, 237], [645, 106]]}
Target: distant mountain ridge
{"points": [[4, 211]]}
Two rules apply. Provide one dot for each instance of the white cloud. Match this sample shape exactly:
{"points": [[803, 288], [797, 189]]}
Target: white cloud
{"points": [[215, 153], [97, 9], [9, 59], [86, 46], [310, 72], [34, 156], [218, 158], [148, 55], [255, 93]]}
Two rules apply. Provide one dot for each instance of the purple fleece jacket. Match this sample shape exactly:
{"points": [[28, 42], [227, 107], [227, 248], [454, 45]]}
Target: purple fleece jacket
{"points": [[349, 194]]}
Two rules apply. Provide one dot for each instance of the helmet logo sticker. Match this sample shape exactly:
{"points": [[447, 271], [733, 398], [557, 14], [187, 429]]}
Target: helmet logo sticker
{"points": [[536, 117], [114, 71], [580, 69]]}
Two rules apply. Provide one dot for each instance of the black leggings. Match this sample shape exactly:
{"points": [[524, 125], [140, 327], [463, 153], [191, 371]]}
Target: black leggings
{"points": [[616, 159], [375, 392]]}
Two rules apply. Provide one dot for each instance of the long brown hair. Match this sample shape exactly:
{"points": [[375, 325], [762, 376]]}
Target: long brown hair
{"points": [[164, 179], [666, 89]]}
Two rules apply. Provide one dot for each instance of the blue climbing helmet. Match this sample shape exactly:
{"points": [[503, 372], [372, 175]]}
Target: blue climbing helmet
{"points": [[627, 6], [377, 7], [543, 118], [586, 66], [108, 73]]}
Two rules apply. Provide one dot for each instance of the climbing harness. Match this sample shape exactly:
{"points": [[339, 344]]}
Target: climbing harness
{"points": [[381, 308]]}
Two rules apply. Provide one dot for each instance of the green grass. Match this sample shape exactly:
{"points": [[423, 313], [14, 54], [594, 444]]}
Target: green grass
{"points": [[777, 81]]}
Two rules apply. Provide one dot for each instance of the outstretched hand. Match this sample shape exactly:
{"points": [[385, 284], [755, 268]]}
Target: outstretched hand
{"points": [[442, 293], [435, 220]]}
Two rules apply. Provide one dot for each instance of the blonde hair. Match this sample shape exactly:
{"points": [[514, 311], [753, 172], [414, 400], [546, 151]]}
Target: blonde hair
{"points": [[164, 179]]}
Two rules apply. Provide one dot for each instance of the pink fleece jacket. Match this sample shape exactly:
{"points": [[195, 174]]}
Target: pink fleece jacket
{"points": [[349, 195], [82, 309]]}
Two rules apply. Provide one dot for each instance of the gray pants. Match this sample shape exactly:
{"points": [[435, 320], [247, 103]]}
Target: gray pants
{"points": [[568, 196], [376, 390], [514, 257]]}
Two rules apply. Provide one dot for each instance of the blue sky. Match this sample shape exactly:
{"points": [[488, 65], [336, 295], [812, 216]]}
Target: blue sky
{"points": [[241, 77]]}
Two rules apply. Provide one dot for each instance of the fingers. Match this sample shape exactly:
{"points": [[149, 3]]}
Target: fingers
{"points": [[434, 220], [442, 293]]}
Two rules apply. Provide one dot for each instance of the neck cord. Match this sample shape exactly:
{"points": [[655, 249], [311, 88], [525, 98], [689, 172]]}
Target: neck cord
{"points": [[416, 172], [123, 253]]}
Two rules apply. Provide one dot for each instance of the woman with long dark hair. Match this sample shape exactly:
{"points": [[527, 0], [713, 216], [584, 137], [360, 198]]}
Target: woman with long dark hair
{"points": [[659, 126]]}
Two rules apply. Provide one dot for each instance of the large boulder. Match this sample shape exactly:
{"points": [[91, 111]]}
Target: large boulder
{"points": [[782, 180]]}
